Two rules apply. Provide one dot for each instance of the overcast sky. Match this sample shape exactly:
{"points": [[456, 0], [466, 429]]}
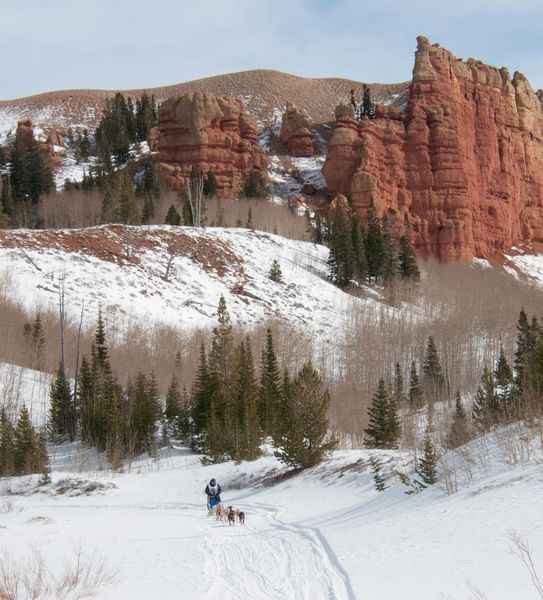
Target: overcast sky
{"points": [[121, 44]]}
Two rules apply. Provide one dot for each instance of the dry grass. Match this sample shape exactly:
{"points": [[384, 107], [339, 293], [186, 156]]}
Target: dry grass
{"points": [[31, 578], [262, 91]]}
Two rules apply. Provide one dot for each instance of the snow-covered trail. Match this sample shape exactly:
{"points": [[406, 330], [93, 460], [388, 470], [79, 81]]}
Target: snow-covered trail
{"points": [[322, 534], [268, 558]]}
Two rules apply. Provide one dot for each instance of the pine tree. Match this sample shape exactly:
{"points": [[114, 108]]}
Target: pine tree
{"points": [[503, 377], [399, 393], [416, 394], [270, 388], [172, 408], [172, 216], [30, 173], [246, 401], [341, 261], [374, 245], [378, 479], [359, 249], [306, 426], [409, 268], [42, 459], [427, 466], [126, 199], [459, 433], [7, 459], [434, 382], [391, 262], [24, 446], [184, 420], [487, 410], [383, 430], [202, 393], [275, 273], [148, 211], [210, 184], [254, 185], [62, 415], [367, 110], [525, 345]]}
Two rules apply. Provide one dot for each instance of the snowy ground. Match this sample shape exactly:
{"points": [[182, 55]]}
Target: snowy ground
{"points": [[208, 263], [325, 534]]}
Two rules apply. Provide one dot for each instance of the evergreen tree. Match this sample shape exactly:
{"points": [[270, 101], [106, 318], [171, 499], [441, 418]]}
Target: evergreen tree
{"points": [[459, 433], [305, 428], [383, 430], [427, 466], [254, 185], [42, 465], [172, 216], [210, 184], [434, 382], [202, 393], [367, 110], [126, 199], [145, 116], [503, 377], [487, 410], [148, 211], [416, 394], [399, 393], [24, 447], [270, 387], [248, 447], [359, 249], [378, 479], [341, 261], [409, 268], [172, 408], [30, 174], [62, 415], [184, 420], [7, 459], [391, 262], [275, 273], [374, 245]]}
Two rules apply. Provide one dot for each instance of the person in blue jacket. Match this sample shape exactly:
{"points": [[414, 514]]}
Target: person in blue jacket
{"points": [[213, 491]]}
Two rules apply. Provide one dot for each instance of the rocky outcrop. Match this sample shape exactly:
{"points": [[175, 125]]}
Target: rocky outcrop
{"points": [[464, 161], [208, 132], [296, 132]]}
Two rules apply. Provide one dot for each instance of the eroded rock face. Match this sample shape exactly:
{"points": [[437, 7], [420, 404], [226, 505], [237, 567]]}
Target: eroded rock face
{"points": [[296, 132], [464, 161], [208, 132]]}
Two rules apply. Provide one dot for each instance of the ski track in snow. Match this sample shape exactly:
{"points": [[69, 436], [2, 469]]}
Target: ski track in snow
{"points": [[264, 558]]}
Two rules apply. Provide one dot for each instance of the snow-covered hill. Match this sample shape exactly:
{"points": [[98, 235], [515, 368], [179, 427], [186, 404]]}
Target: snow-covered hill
{"points": [[323, 534], [124, 270]]}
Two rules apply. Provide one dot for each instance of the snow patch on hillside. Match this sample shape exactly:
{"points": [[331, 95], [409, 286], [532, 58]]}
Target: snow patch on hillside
{"points": [[123, 269]]}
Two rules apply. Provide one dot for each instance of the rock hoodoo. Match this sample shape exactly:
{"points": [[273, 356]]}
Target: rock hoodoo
{"points": [[296, 132], [209, 132], [464, 160]]}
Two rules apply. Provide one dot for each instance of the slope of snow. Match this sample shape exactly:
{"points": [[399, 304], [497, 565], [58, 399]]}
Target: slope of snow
{"points": [[530, 265], [123, 270], [323, 534], [20, 386]]}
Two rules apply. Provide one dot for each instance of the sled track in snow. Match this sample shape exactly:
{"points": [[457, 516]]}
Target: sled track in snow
{"points": [[270, 559]]}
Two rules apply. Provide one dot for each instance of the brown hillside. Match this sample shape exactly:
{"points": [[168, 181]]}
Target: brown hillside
{"points": [[261, 91]]}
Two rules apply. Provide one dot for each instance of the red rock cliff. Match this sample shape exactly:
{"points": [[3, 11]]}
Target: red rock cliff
{"points": [[296, 132], [464, 160], [208, 132]]}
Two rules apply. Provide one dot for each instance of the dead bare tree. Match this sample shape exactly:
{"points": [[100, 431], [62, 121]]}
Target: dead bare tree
{"points": [[522, 549], [195, 192]]}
